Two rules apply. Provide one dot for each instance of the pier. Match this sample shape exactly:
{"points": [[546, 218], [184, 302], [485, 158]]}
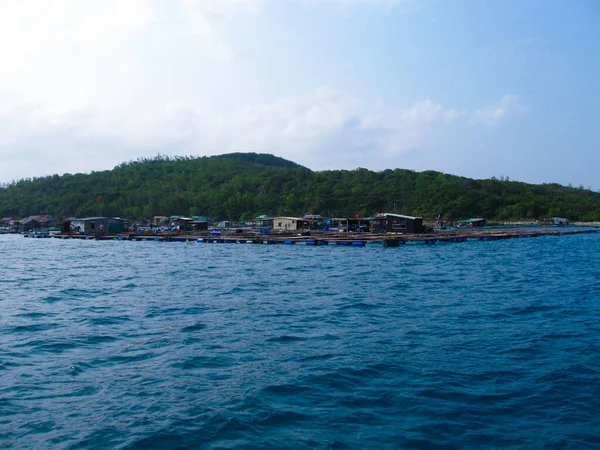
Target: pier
{"points": [[327, 238]]}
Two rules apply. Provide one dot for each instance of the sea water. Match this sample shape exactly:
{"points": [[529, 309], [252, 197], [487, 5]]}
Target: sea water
{"points": [[187, 345]]}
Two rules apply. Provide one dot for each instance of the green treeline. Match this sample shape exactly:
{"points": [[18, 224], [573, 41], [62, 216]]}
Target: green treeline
{"points": [[244, 185]]}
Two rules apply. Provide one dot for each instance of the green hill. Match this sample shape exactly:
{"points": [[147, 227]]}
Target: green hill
{"points": [[243, 185]]}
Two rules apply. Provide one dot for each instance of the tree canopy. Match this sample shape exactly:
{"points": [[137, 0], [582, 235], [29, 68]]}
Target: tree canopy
{"points": [[245, 185]]}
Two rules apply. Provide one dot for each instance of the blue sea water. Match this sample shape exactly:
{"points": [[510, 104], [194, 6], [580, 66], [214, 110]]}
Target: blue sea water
{"points": [[183, 345]]}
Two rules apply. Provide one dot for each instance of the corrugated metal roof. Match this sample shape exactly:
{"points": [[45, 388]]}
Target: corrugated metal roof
{"points": [[476, 219], [90, 218], [386, 216], [402, 216]]}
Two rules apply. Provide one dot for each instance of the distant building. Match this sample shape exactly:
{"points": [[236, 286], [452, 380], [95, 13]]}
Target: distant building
{"points": [[45, 220], [264, 221], [289, 223], [6, 222], [98, 225], [35, 223], [198, 225], [561, 221], [29, 225], [347, 224], [160, 220], [182, 223], [396, 223]]}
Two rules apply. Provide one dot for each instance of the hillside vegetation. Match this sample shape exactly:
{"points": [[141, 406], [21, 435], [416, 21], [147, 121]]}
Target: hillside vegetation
{"points": [[243, 185]]}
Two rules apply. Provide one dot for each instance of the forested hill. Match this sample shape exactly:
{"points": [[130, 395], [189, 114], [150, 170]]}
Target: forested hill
{"points": [[244, 185]]}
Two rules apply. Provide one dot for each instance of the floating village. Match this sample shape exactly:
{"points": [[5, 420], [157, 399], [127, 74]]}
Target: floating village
{"points": [[387, 229]]}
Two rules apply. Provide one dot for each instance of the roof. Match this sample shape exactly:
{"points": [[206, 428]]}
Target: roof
{"points": [[402, 216], [43, 217], [289, 218], [477, 219], [264, 216], [90, 218], [186, 219], [386, 216]]}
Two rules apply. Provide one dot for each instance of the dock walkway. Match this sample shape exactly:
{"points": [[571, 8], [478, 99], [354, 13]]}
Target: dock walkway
{"points": [[328, 238]]}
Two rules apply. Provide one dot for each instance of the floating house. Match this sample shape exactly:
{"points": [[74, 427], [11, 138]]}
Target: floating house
{"points": [[560, 221], [98, 225], [347, 224], [29, 224], [396, 223], [35, 223], [160, 220], [264, 221], [198, 225], [6, 222], [182, 223], [289, 223], [477, 222]]}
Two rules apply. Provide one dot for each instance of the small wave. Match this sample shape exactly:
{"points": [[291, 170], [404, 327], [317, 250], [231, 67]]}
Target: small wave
{"points": [[205, 362], [286, 338], [194, 327], [35, 328]]}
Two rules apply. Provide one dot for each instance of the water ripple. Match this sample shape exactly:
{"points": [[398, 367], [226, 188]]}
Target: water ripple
{"points": [[129, 345]]}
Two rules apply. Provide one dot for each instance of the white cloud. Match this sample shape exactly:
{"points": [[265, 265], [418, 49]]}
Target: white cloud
{"points": [[319, 128], [86, 84], [207, 14], [454, 114], [496, 112]]}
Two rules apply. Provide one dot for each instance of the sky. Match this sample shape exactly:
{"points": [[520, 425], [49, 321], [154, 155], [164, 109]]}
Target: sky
{"points": [[477, 88]]}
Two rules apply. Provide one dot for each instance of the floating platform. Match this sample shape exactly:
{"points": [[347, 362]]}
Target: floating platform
{"points": [[318, 239]]}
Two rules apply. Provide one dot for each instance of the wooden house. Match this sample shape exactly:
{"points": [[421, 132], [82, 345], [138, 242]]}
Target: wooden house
{"points": [[160, 220], [182, 223], [396, 223], [289, 223], [264, 221], [98, 225]]}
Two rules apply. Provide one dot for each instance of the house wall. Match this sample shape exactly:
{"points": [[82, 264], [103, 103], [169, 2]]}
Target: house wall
{"points": [[31, 225], [91, 226], [401, 225], [280, 223], [115, 226]]}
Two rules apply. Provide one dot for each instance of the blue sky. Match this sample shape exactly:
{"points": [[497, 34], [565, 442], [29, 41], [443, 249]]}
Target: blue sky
{"points": [[471, 87]]}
